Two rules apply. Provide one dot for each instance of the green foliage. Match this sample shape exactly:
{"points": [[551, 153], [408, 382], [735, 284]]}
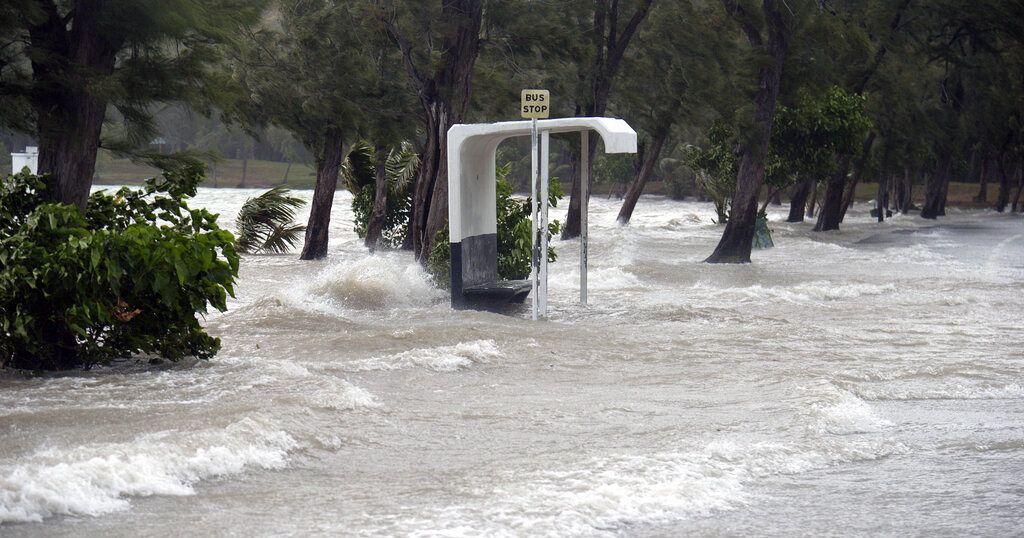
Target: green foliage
{"points": [[514, 228], [806, 138], [265, 223], [400, 170], [715, 167], [805, 141], [126, 276]]}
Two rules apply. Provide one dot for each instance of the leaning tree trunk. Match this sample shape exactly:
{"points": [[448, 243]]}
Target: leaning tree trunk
{"points": [[737, 239], [328, 163], [610, 43], [636, 188], [935, 191], [69, 116], [858, 173], [831, 211], [798, 200], [375, 226], [444, 95], [430, 197]]}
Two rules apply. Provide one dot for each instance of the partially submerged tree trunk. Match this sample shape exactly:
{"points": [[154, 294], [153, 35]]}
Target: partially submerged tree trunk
{"points": [[328, 157], [636, 188], [610, 44], [1020, 186], [375, 225], [798, 200], [69, 115], [735, 245], [936, 188], [1003, 199], [986, 169], [881, 199], [812, 204], [858, 173], [832, 206], [444, 94]]}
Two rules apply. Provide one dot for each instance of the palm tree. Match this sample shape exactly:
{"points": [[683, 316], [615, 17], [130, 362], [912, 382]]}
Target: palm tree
{"points": [[265, 223]]}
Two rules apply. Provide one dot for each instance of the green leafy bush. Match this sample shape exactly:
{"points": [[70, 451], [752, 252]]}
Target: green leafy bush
{"points": [[127, 276], [514, 227], [400, 168]]}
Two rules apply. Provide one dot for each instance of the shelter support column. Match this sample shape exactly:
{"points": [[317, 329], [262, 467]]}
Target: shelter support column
{"points": [[534, 217], [545, 143], [584, 203]]}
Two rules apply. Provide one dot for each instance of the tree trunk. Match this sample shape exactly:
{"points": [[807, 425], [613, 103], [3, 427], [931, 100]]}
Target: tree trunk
{"points": [[986, 169], [379, 215], [737, 239], [858, 173], [610, 43], [245, 170], [880, 203], [832, 207], [636, 188], [1020, 186], [813, 202], [444, 95], [430, 197], [69, 117], [287, 169], [1004, 185], [938, 182], [328, 163], [798, 200]]}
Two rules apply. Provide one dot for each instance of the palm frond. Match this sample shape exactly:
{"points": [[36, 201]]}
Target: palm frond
{"points": [[358, 169], [265, 222], [401, 166]]}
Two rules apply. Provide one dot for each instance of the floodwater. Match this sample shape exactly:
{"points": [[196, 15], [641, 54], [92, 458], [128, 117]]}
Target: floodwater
{"points": [[861, 383]]}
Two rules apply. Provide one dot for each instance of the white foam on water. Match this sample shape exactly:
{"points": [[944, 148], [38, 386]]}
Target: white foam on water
{"points": [[376, 282], [841, 412], [607, 496], [817, 291], [94, 479], [944, 389], [439, 359]]}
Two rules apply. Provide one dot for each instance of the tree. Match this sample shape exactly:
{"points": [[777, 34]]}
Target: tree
{"points": [[65, 61], [675, 73], [771, 46], [442, 79], [315, 70], [607, 41]]}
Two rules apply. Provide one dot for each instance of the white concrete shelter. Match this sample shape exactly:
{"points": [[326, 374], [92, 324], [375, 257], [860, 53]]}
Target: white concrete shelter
{"points": [[472, 203], [30, 159]]}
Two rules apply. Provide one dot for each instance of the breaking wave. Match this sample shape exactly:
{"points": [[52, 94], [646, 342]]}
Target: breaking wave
{"points": [[439, 359]]}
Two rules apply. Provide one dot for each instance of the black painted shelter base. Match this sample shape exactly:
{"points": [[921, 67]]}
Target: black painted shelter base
{"points": [[497, 294]]}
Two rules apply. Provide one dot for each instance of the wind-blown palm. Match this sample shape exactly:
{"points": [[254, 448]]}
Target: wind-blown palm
{"points": [[265, 223]]}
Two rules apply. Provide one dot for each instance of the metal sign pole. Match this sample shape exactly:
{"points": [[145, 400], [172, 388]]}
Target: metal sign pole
{"points": [[545, 139], [534, 273], [584, 202]]}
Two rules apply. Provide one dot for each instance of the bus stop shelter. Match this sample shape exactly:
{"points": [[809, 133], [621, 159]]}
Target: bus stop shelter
{"points": [[472, 205]]}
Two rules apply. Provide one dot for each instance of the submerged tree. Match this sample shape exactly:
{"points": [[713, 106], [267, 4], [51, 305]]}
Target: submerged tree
{"points": [[766, 31], [439, 47]]}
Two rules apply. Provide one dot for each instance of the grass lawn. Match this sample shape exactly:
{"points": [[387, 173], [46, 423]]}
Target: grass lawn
{"points": [[223, 173], [228, 173]]}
